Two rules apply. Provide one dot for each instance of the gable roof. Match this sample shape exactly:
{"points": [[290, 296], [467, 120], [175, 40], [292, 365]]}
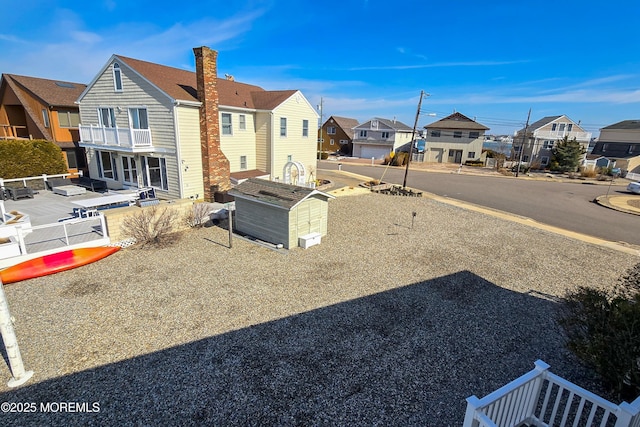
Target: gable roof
{"points": [[280, 195], [625, 124], [181, 85], [456, 121], [393, 124], [53, 93]]}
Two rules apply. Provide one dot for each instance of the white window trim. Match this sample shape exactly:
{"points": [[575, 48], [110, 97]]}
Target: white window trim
{"points": [[230, 125], [117, 77]]}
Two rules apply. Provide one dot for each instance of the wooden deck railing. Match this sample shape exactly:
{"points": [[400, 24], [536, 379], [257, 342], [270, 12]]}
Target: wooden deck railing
{"points": [[541, 398]]}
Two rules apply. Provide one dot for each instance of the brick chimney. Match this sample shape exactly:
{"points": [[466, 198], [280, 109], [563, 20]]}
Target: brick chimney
{"points": [[215, 165]]}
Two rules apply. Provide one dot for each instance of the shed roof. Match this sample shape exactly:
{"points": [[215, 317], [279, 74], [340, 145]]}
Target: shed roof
{"points": [[280, 195]]}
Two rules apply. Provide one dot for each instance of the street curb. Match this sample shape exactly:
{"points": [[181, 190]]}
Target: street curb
{"points": [[604, 201]]}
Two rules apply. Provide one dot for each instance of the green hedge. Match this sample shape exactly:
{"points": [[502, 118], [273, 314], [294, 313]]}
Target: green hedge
{"points": [[23, 158]]}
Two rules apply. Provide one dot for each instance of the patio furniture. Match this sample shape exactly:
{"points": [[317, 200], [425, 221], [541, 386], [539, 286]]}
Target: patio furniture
{"points": [[20, 193], [64, 187]]}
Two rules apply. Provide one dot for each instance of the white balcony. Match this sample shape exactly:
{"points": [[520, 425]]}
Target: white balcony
{"points": [[126, 139], [556, 135]]}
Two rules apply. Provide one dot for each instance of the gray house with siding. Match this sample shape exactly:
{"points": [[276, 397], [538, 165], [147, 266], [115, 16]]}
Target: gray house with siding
{"points": [[279, 213]]}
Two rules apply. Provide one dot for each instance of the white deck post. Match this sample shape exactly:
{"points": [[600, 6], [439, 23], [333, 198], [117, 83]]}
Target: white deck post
{"points": [[469, 418], [20, 376]]}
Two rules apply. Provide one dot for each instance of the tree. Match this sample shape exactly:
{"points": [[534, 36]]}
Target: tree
{"points": [[566, 155]]}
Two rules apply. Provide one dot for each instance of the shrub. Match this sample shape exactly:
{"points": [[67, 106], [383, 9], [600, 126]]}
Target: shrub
{"points": [[603, 329], [400, 159], [22, 158], [324, 155], [588, 172], [198, 215], [152, 226]]}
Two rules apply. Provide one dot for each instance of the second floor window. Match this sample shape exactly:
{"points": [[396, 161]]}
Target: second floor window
{"points": [[435, 133], [117, 77], [242, 122], [45, 117], [107, 117], [457, 134], [305, 128], [363, 134], [226, 124], [138, 118], [385, 135], [331, 130], [243, 162], [547, 145], [68, 119], [474, 135], [283, 126]]}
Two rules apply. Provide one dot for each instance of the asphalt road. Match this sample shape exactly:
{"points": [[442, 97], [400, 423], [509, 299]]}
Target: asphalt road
{"points": [[566, 205]]}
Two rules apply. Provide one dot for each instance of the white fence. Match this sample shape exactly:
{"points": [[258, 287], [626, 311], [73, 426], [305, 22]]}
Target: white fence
{"points": [[541, 398], [120, 137], [50, 238]]}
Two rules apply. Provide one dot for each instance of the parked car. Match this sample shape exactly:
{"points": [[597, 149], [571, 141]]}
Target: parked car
{"points": [[634, 187]]}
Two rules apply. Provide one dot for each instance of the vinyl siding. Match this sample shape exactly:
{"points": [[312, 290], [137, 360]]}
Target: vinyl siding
{"points": [[302, 149], [188, 119], [241, 142], [620, 135], [265, 222], [136, 92], [263, 138]]}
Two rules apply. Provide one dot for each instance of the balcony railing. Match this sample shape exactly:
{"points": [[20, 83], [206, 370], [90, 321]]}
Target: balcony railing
{"points": [[555, 135], [115, 137], [541, 398]]}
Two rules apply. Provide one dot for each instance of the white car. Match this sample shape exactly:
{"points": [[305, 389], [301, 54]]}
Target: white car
{"points": [[634, 187]]}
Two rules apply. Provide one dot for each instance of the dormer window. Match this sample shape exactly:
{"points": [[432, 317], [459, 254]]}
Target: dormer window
{"points": [[117, 77]]}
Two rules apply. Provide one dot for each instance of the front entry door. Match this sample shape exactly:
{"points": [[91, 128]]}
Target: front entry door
{"points": [[455, 156]]}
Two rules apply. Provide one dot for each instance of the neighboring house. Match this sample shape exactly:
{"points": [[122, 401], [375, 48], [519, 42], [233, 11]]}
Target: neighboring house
{"points": [[35, 108], [454, 139], [336, 134], [620, 142], [379, 137], [542, 136], [190, 134]]}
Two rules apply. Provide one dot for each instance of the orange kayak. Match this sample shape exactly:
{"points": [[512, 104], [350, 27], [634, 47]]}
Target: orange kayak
{"points": [[54, 263]]}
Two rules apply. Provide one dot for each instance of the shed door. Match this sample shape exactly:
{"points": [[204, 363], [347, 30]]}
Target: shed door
{"points": [[309, 217]]}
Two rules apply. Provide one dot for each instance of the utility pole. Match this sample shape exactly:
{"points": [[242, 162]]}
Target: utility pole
{"points": [[413, 136], [321, 124], [524, 138]]}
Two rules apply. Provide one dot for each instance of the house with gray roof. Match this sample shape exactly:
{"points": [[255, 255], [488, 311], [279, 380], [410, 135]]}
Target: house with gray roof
{"points": [[378, 137], [538, 139], [190, 134], [454, 139], [620, 143], [35, 108]]}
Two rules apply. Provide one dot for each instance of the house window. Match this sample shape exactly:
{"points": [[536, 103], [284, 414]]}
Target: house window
{"points": [[243, 162], [553, 127], [374, 124], [471, 155], [630, 150], [289, 158], [138, 118], [72, 159], [156, 173], [107, 117], [331, 130], [226, 124], [344, 141], [129, 170], [385, 135], [604, 147], [107, 165], [305, 128], [363, 134], [45, 117], [283, 126], [457, 134], [332, 142], [544, 160], [435, 133], [474, 135], [242, 122], [569, 127], [68, 119], [547, 145], [517, 148], [525, 158], [562, 126], [117, 77]]}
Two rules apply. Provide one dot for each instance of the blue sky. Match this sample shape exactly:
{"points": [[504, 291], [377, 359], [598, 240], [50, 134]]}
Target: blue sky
{"points": [[490, 60]]}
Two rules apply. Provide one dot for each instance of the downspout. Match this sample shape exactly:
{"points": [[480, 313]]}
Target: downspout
{"points": [[176, 129], [272, 160]]}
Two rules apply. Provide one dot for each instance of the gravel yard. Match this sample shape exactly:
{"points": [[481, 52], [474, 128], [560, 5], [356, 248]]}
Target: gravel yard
{"points": [[381, 324]]}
